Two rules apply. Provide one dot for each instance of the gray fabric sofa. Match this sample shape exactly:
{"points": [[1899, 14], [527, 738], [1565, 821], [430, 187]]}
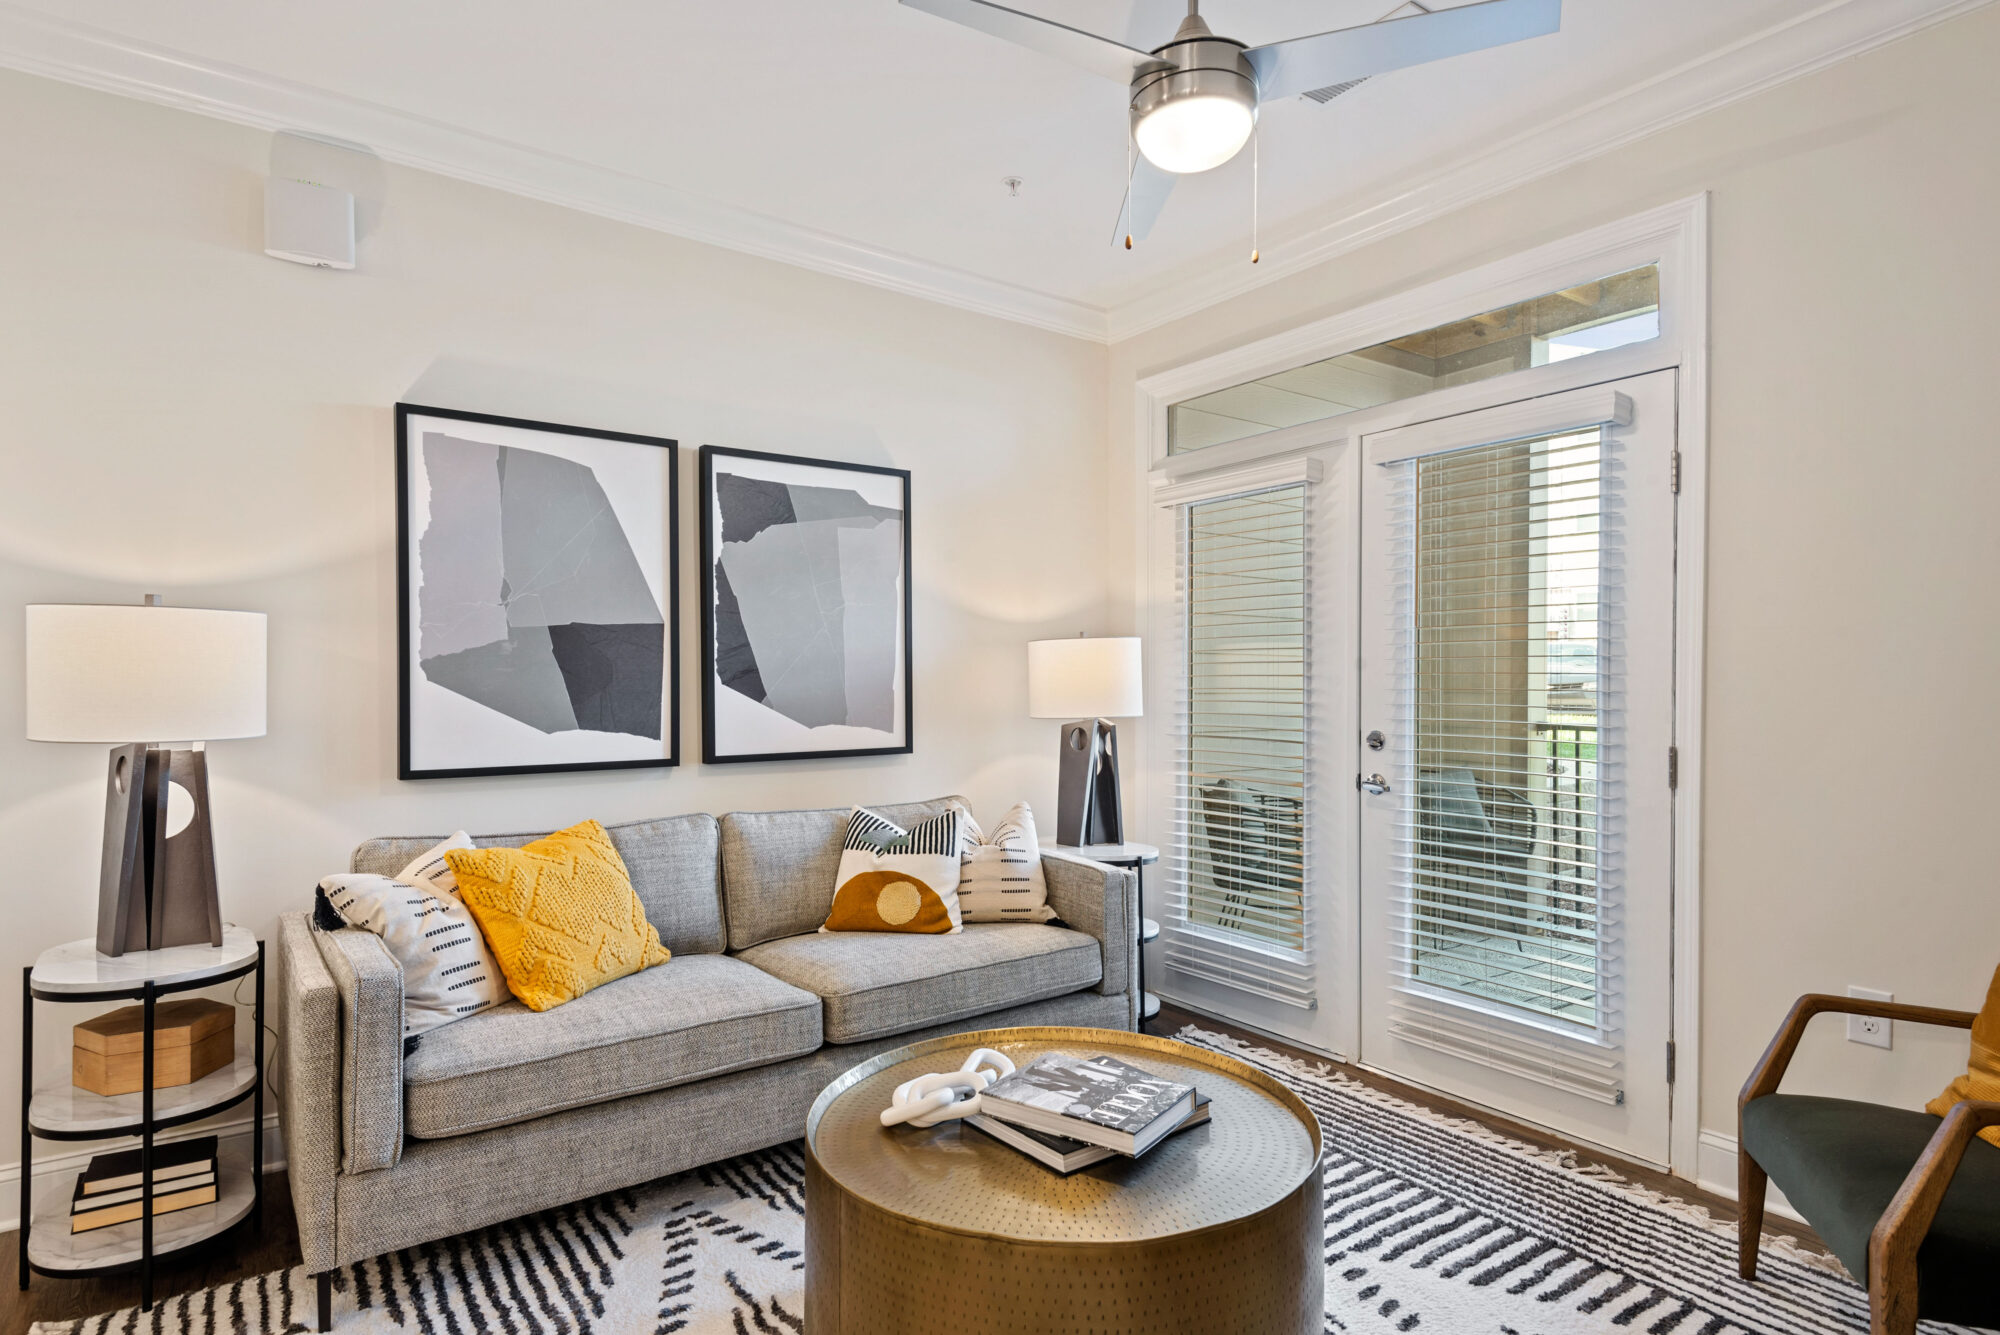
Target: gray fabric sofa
{"points": [[717, 1052]]}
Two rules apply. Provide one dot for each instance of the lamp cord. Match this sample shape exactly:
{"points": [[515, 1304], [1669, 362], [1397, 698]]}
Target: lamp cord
{"points": [[271, 1054]]}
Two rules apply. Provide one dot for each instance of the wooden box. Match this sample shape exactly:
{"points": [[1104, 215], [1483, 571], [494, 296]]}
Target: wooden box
{"points": [[191, 1038]]}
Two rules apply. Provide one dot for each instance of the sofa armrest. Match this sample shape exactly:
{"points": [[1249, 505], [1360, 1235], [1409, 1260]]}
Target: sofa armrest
{"points": [[370, 983], [1103, 902], [309, 1019]]}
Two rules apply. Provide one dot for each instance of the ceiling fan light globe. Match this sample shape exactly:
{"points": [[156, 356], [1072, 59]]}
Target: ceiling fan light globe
{"points": [[1195, 134]]}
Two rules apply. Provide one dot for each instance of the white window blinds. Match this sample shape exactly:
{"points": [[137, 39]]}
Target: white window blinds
{"points": [[1505, 903], [1238, 863]]}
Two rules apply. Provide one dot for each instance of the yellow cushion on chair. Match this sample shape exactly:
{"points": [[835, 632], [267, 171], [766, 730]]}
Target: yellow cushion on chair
{"points": [[560, 913], [1982, 1071]]}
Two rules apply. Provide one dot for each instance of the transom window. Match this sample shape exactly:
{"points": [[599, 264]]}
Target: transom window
{"points": [[1578, 321]]}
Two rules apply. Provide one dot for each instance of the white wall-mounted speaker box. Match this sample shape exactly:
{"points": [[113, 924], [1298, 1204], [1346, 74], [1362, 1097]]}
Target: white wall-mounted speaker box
{"points": [[308, 224]]}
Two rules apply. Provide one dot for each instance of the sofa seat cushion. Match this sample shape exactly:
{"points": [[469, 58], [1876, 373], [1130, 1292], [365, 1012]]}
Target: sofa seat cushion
{"points": [[694, 1016], [1840, 1163], [873, 984]]}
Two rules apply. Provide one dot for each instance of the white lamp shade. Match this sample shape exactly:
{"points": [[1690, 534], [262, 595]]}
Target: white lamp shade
{"points": [[143, 674], [1083, 678]]}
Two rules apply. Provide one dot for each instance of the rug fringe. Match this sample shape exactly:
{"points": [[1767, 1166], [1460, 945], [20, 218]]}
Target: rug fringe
{"points": [[1776, 1244]]}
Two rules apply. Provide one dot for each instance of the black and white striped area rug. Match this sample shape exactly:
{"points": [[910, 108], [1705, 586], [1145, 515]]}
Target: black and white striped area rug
{"points": [[1433, 1224]]}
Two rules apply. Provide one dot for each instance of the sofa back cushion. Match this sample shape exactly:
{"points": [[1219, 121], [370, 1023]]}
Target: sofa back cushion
{"points": [[778, 867], [672, 861]]}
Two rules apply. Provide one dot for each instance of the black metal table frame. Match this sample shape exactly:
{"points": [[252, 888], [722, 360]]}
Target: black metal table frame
{"points": [[1136, 864], [148, 995]]}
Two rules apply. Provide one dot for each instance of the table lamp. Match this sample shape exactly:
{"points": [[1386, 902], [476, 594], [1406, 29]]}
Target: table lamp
{"points": [[1088, 681], [114, 673]]}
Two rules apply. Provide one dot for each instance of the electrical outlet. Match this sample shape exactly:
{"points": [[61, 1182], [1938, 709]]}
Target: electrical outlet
{"points": [[1869, 1029]]}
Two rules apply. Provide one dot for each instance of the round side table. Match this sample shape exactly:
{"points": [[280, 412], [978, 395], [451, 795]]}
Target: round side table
{"points": [[1135, 858], [912, 1231], [76, 972]]}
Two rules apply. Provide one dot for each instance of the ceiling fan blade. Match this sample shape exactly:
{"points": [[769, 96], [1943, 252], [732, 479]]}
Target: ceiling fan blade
{"points": [[1144, 202], [1099, 55], [1285, 69]]}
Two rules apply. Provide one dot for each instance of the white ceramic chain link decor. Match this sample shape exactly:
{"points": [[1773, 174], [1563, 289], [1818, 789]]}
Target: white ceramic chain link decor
{"points": [[944, 1095]]}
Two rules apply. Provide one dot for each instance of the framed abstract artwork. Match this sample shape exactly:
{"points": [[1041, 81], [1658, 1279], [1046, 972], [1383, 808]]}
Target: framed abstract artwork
{"points": [[805, 626], [539, 596]]}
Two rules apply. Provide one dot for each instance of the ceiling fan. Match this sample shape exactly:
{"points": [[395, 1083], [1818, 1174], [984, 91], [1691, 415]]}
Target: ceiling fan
{"points": [[1194, 100]]}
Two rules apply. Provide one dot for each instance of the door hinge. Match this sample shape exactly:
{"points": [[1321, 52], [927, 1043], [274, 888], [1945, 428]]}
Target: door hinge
{"points": [[1673, 767], [1670, 1061], [1675, 470]]}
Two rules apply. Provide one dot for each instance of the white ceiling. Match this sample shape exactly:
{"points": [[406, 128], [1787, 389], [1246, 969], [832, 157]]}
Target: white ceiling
{"points": [[873, 139]]}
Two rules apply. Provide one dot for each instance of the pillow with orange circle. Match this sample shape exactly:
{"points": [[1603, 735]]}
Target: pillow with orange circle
{"points": [[559, 914], [897, 880]]}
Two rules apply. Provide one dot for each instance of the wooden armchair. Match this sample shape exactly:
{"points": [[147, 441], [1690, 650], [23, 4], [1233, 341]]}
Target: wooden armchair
{"points": [[1909, 1202]]}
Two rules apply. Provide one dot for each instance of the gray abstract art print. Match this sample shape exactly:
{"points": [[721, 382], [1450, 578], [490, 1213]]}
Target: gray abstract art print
{"points": [[538, 596], [806, 607]]}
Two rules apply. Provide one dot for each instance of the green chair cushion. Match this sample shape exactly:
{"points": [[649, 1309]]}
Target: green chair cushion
{"points": [[1840, 1163]]}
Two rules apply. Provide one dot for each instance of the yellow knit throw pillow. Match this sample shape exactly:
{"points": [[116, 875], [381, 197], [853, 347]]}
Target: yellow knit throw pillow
{"points": [[559, 914], [1982, 1072]]}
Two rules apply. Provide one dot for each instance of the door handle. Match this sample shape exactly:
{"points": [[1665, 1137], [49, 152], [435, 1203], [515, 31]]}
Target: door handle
{"points": [[1372, 783]]}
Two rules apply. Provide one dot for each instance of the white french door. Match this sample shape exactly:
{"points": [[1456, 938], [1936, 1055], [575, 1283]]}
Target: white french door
{"points": [[1516, 712]]}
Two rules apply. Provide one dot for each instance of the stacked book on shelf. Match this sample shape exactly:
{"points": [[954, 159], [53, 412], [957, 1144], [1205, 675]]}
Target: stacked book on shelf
{"points": [[1070, 1112], [110, 1190]]}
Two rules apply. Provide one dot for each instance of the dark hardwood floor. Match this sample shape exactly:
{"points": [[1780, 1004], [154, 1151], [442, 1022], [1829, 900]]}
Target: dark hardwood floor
{"points": [[1171, 1018], [252, 1250]]}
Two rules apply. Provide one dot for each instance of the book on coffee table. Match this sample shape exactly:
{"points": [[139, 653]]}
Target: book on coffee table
{"points": [[1098, 1100], [1061, 1153]]}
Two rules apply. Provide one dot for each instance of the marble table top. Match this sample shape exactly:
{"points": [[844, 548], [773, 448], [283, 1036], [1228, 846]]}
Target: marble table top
{"points": [[53, 1247], [1113, 853], [78, 967], [59, 1105]]}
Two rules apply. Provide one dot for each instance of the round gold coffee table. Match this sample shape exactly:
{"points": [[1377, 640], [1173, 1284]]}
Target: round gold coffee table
{"points": [[943, 1229]]}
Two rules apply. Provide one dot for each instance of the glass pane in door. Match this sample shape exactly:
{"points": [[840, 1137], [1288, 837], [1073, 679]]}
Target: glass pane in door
{"points": [[1244, 738], [1508, 661]]}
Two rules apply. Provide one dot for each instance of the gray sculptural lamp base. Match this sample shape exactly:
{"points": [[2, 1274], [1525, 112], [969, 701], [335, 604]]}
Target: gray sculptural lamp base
{"points": [[1088, 809], [157, 886]]}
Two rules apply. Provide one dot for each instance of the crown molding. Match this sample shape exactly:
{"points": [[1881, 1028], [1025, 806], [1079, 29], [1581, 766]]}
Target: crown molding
{"points": [[1832, 31], [36, 43], [1828, 33]]}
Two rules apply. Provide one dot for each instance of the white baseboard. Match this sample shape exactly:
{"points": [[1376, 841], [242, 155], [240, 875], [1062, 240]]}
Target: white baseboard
{"points": [[49, 1168], [1716, 1171]]}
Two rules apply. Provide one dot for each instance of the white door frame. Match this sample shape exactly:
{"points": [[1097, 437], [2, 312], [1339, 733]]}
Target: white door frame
{"points": [[1676, 236]]}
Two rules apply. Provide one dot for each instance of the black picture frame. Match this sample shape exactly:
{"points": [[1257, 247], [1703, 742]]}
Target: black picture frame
{"points": [[710, 754], [407, 763]]}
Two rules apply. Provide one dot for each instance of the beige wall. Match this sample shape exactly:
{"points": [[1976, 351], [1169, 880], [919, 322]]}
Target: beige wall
{"points": [[1853, 732], [181, 414]]}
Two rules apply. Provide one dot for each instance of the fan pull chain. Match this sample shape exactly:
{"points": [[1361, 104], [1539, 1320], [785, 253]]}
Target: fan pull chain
{"points": [[1131, 143], [1254, 179]]}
